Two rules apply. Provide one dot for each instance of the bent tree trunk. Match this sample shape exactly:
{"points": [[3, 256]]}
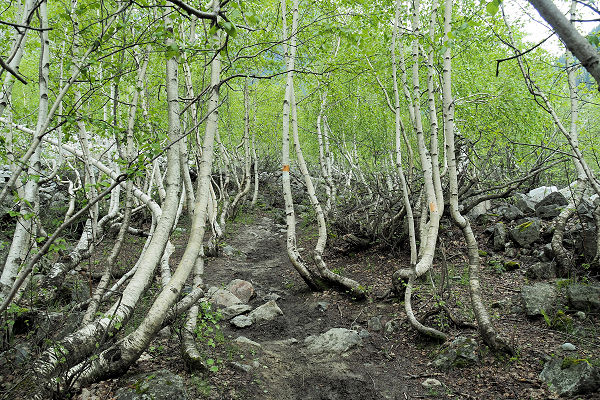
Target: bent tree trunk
{"points": [[119, 357], [486, 329], [308, 276]]}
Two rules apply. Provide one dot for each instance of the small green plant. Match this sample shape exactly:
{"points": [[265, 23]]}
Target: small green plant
{"points": [[288, 284], [338, 270], [207, 328], [569, 362], [559, 321], [496, 265], [563, 283], [202, 385]]}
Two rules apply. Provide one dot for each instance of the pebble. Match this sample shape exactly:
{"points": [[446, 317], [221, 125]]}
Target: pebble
{"points": [[431, 383], [568, 347]]}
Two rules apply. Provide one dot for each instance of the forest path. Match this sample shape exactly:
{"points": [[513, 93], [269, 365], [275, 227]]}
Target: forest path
{"points": [[282, 368]]}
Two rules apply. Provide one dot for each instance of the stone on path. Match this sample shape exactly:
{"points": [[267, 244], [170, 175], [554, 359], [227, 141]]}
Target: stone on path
{"points": [[243, 290], [335, 340], [235, 310], [431, 383], [241, 321], [267, 312], [222, 298]]}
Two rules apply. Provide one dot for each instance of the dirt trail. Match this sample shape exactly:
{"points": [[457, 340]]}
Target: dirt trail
{"points": [[281, 367]]}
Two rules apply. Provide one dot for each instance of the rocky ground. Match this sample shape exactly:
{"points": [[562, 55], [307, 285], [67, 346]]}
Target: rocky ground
{"points": [[290, 343]]}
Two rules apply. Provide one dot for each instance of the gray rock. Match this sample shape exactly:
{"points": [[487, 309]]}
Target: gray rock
{"points": [[272, 296], [267, 312], [228, 250], [363, 333], [374, 324], [322, 306], [568, 347], [499, 238], [335, 340], [391, 326], [222, 298], [241, 289], [245, 342], [589, 244], [431, 383], [585, 210], [538, 297], [235, 310], [570, 376], [241, 321], [542, 270], [584, 297], [479, 210], [509, 212], [527, 232], [158, 385], [551, 205], [461, 352], [525, 204], [241, 366]]}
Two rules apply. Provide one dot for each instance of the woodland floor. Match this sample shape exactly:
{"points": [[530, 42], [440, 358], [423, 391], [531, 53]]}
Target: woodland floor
{"points": [[387, 366]]}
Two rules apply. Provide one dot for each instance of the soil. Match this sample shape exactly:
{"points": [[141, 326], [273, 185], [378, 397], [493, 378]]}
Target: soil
{"points": [[388, 365]]}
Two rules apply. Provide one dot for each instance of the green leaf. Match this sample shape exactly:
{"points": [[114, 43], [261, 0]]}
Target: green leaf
{"points": [[229, 28], [493, 7], [593, 40]]}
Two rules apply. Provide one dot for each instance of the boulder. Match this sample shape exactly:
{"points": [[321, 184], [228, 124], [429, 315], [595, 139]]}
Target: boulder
{"points": [[509, 212], [585, 210], [157, 385], [461, 352], [536, 195], [524, 203], [479, 210], [589, 243], [584, 297], [551, 205], [267, 312], [222, 298], [499, 237], [235, 310], [243, 290], [335, 340], [241, 321], [569, 376], [527, 232], [542, 270], [539, 297]]}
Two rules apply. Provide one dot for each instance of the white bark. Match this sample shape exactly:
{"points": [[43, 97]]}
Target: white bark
{"points": [[21, 237], [135, 343], [292, 249]]}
